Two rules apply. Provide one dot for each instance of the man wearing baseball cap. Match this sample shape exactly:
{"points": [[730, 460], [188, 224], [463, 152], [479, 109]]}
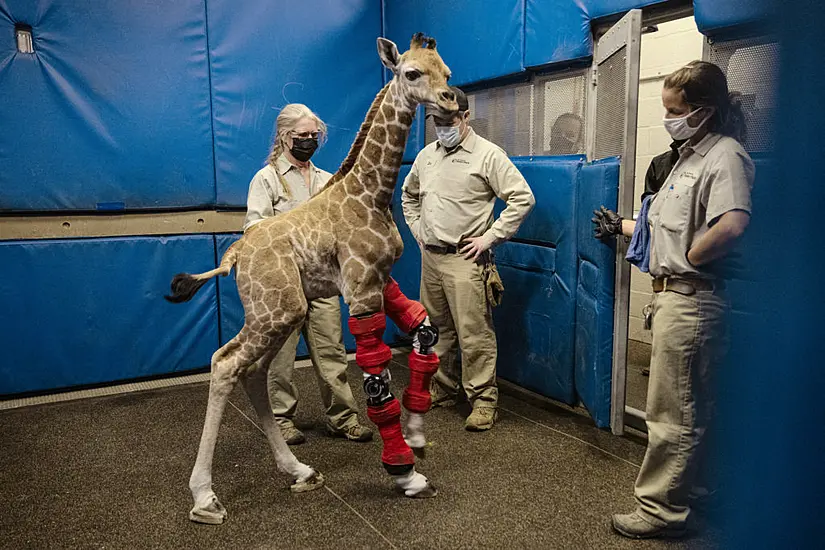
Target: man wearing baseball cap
{"points": [[448, 200]]}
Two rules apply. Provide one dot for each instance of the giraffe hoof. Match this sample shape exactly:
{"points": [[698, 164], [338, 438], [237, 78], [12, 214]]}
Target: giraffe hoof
{"points": [[212, 514], [427, 492], [314, 481]]}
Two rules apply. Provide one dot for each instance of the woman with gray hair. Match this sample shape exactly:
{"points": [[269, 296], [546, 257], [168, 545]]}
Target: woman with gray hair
{"points": [[288, 180]]}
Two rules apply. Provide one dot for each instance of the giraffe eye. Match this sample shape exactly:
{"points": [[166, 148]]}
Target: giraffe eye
{"points": [[412, 75]]}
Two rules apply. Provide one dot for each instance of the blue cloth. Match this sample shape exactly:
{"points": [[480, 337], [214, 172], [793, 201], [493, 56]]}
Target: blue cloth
{"points": [[638, 253]]}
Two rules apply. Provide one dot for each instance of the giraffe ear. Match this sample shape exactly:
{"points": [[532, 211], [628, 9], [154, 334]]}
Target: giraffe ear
{"points": [[388, 52]]}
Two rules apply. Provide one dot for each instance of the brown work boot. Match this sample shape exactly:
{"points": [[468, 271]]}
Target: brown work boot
{"points": [[481, 419], [354, 432], [292, 435]]}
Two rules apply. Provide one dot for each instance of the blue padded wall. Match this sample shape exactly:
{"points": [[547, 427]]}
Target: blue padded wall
{"points": [[594, 292], [111, 111], [476, 42], [602, 8], [559, 30], [264, 56], [556, 31], [534, 323], [90, 311], [721, 17]]}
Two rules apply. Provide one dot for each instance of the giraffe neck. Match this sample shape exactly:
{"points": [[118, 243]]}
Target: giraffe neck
{"points": [[376, 170]]}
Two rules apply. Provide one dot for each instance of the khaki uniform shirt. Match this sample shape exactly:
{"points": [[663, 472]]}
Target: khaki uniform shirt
{"points": [[449, 196], [710, 178], [268, 196]]}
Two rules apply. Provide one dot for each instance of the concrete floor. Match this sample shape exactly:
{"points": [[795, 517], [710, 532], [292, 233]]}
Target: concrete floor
{"points": [[112, 472]]}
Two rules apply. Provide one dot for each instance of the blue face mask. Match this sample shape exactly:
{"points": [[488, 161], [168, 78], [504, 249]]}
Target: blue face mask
{"points": [[449, 136]]}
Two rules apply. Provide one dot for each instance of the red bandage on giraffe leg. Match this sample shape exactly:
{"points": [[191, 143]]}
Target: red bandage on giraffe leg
{"points": [[405, 313], [371, 353], [417, 397], [397, 455]]}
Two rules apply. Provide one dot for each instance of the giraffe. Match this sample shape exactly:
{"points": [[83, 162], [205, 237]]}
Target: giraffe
{"points": [[341, 242]]}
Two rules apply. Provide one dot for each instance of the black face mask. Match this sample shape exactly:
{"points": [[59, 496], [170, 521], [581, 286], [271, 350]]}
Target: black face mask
{"points": [[302, 149]]}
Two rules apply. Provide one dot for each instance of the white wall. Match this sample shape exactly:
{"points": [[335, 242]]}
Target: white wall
{"points": [[675, 44]]}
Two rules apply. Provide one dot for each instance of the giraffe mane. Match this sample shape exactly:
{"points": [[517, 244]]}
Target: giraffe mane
{"points": [[360, 139]]}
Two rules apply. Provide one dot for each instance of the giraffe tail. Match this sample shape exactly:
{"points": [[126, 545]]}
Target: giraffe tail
{"points": [[185, 285]]}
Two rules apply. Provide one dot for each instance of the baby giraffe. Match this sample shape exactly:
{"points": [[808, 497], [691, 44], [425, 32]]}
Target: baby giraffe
{"points": [[341, 242]]}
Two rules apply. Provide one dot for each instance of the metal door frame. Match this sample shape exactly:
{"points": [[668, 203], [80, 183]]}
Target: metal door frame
{"points": [[626, 33]]}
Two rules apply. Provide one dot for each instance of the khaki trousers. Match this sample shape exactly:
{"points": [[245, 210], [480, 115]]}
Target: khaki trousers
{"points": [[324, 338], [453, 292], [689, 340]]}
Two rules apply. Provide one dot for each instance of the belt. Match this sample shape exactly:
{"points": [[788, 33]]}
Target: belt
{"points": [[685, 286], [449, 249]]}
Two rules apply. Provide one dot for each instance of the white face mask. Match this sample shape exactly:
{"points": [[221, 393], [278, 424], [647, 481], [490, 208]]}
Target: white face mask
{"points": [[449, 136], [679, 129]]}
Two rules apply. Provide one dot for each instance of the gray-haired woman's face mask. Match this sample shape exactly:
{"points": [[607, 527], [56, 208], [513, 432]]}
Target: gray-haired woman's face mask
{"points": [[303, 149]]}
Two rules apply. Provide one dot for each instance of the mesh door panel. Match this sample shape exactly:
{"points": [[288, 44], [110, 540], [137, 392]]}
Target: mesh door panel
{"points": [[501, 115], [559, 112], [610, 107], [523, 119], [752, 68]]}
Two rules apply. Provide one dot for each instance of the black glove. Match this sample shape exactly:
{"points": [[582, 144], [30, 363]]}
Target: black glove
{"points": [[608, 223]]}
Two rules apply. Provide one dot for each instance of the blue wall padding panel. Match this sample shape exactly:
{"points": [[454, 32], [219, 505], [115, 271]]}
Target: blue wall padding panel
{"points": [[476, 42], [718, 17], [553, 181], [264, 56], [90, 311], [556, 31], [602, 8], [535, 321], [559, 30], [594, 293], [113, 107]]}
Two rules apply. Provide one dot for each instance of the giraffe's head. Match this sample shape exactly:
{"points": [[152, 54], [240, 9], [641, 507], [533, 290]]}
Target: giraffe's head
{"points": [[420, 73]]}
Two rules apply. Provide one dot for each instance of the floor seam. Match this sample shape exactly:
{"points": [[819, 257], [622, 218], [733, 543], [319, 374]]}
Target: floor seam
{"points": [[326, 486], [571, 437]]}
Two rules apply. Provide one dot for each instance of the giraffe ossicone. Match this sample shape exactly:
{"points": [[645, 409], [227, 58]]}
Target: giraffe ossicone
{"points": [[342, 241]]}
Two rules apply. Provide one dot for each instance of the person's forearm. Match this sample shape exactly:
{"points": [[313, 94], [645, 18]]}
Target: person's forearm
{"points": [[628, 226], [719, 239]]}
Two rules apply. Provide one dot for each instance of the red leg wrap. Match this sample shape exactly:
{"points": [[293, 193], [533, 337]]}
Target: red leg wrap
{"points": [[417, 395], [405, 313], [371, 353], [388, 419]]}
